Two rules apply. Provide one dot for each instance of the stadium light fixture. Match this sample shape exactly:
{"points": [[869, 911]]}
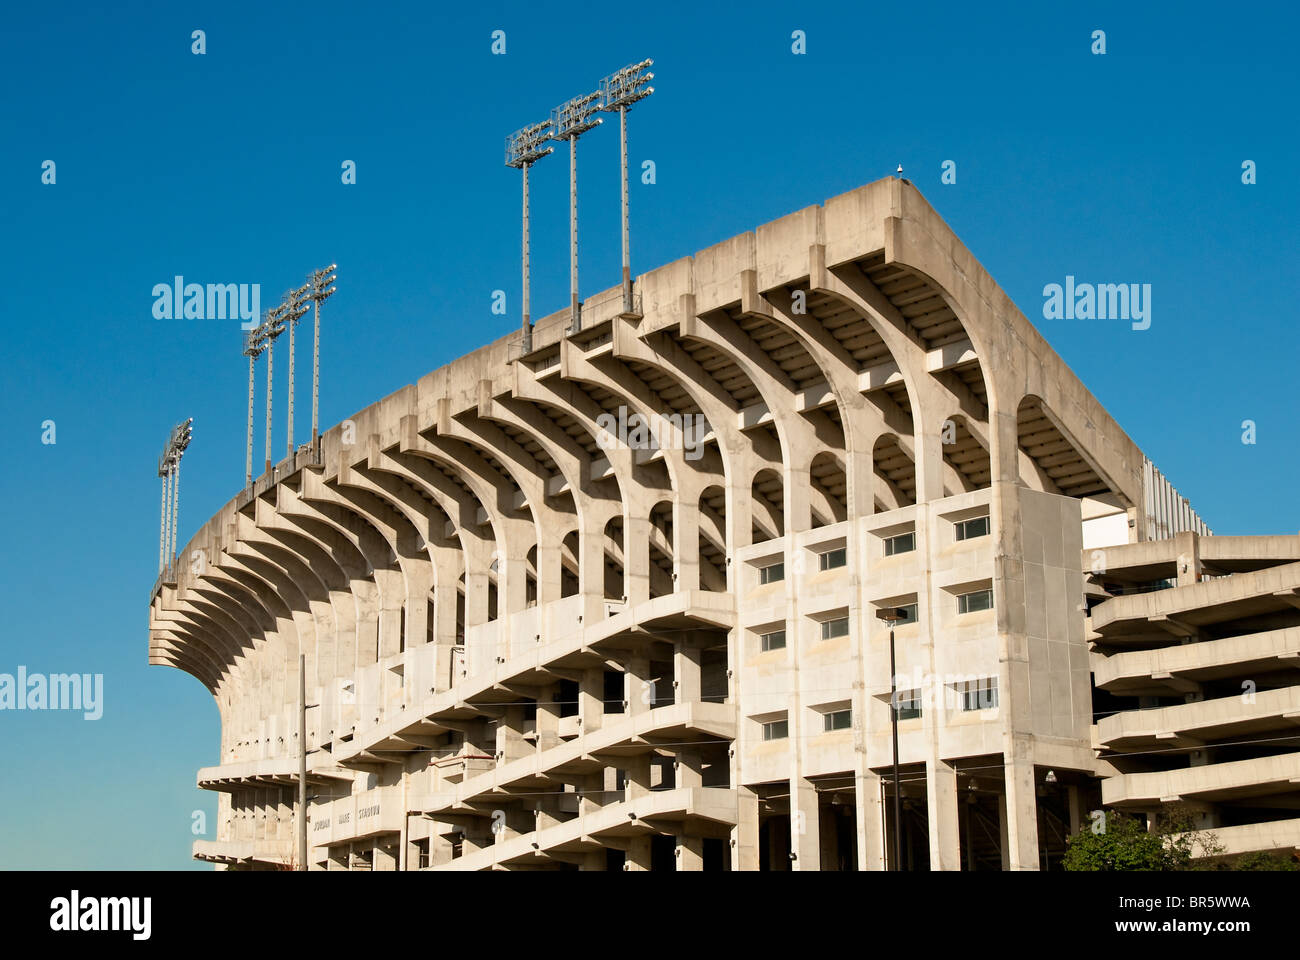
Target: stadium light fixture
{"points": [[569, 121], [169, 470], [265, 335], [319, 281], [525, 147], [618, 92], [293, 306], [253, 347]]}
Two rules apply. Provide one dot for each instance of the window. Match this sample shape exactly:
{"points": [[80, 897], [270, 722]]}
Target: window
{"points": [[970, 529], [839, 627], [832, 559], [903, 543], [837, 720], [908, 704], [975, 601], [980, 694], [776, 729], [772, 641], [771, 573]]}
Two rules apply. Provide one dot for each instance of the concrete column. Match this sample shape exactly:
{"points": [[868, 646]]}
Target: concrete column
{"points": [[941, 795], [637, 773], [636, 685], [744, 836], [382, 859], [636, 551], [686, 671], [591, 705], [548, 717], [869, 811], [689, 769], [686, 540], [1021, 813], [805, 825], [690, 853], [510, 743], [638, 854], [548, 569]]}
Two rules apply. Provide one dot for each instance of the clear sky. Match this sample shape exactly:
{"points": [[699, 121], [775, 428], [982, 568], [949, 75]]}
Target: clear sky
{"points": [[226, 168]]}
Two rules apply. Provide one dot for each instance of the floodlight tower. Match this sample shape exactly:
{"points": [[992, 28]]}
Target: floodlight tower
{"points": [[253, 347], [619, 91], [270, 329], [318, 282], [169, 471], [164, 474], [293, 306], [180, 440], [524, 148], [568, 122]]}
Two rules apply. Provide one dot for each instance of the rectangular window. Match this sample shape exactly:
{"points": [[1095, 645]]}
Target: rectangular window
{"points": [[839, 627], [772, 641], [837, 720], [903, 543], [975, 601], [980, 694], [910, 614], [970, 529], [776, 730], [909, 704], [771, 573], [832, 559]]}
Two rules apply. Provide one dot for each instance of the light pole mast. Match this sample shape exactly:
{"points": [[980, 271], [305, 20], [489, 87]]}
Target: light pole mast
{"points": [[318, 281], [524, 148], [618, 92], [294, 306], [569, 121], [169, 469], [252, 349], [164, 473], [270, 329]]}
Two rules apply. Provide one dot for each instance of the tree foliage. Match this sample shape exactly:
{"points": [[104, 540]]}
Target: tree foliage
{"points": [[1120, 841]]}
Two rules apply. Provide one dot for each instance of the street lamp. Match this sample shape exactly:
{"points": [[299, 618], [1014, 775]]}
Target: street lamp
{"points": [[293, 306], [569, 121], [318, 281], [525, 147], [618, 92], [892, 615]]}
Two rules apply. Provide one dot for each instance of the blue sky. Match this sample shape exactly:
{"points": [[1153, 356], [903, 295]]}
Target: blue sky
{"points": [[225, 167]]}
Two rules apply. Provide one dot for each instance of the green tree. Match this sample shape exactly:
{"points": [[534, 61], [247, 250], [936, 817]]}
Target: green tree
{"points": [[1119, 841]]}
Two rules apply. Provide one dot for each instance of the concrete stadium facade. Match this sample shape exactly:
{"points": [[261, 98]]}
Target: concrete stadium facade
{"points": [[612, 604]]}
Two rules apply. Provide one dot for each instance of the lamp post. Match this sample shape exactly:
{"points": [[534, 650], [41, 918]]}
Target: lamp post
{"points": [[318, 281], [525, 147], [892, 615], [618, 92], [569, 121]]}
